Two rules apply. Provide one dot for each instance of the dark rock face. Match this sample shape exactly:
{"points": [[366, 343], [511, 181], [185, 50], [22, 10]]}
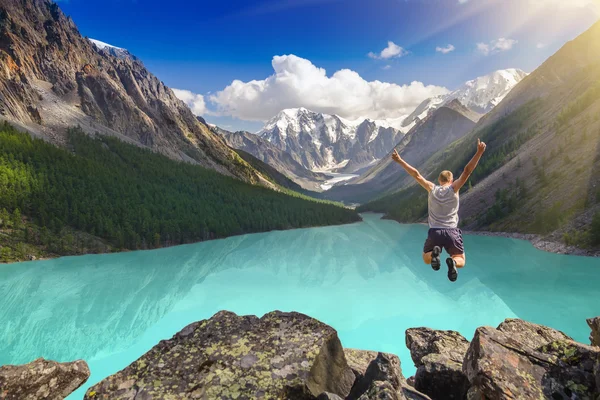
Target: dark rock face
{"points": [[438, 356], [594, 324], [382, 375], [53, 78], [500, 366], [42, 379], [281, 355]]}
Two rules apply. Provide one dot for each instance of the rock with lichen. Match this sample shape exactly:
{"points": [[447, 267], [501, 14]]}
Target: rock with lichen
{"points": [[499, 365], [42, 379], [530, 334], [438, 356], [281, 355], [594, 324]]}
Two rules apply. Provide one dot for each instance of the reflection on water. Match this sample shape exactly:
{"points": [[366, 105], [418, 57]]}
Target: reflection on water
{"points": [[364, 279]]}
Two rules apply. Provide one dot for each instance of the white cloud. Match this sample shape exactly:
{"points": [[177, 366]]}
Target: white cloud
{"points": [[463, 1], [386, 67], [496, 46], [391, 51], [445, 50], [194, 101], [540, 45], [298, 83]]}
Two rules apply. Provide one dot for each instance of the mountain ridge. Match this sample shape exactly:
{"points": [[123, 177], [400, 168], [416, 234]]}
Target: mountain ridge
{"points": [[321, 141], [54, 78]]}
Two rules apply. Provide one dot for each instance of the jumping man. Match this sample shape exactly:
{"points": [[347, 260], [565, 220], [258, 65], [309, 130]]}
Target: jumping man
{"points": [[443, 214]]}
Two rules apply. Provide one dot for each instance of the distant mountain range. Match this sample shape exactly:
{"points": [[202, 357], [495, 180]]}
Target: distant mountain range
{"points": [[322, 142], [443, 126], [480, 95]]}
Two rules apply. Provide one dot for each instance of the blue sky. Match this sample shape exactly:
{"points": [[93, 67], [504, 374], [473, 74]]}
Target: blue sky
{"points": [[203, 46]]}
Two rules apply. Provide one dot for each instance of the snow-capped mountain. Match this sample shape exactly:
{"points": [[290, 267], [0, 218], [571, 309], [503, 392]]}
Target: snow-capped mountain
{"points": [[324, 142], [479, 95]]}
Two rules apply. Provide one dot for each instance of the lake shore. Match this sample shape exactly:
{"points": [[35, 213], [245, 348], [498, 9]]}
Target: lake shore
{"points": [[539, 242]]}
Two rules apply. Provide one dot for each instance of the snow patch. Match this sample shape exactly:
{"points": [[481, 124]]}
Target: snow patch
{"points": [[103, 45]]}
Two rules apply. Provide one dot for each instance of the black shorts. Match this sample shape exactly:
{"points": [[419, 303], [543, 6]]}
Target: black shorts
{"points": [[447, 238]]}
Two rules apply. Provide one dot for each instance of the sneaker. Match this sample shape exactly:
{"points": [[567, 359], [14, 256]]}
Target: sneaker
{"points": [[435, 258], [452, 271]]}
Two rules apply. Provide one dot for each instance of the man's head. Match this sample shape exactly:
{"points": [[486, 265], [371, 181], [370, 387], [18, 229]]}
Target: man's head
{"points": [[446, 178]]}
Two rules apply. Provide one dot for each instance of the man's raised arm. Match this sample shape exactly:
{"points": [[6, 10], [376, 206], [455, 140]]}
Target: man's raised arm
{"points": [[464, 177], [412, 172]]}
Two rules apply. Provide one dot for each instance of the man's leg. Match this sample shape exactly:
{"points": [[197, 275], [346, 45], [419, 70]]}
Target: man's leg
{"points": [[431, 252], [456, 250], [427, 258], [460, 260]]}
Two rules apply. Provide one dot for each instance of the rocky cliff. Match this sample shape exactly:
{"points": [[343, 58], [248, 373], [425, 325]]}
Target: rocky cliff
{"points": [[273, 156], [53, 78]]}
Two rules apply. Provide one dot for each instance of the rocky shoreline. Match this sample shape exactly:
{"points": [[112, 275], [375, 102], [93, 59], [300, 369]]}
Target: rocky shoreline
{"points": [[541, 243], [293, 356]]}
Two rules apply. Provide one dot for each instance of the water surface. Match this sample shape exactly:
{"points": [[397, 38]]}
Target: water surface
{"points": [[365, 279]]}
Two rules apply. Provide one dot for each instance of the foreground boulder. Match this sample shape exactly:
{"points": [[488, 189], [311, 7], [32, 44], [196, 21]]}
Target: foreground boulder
{"points": [[281, 355], [42, 379], [594, 324], [438, 356], [499, 365]]}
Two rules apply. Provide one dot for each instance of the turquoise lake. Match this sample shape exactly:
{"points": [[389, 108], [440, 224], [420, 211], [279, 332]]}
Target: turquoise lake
{"points": [[366, 280]]}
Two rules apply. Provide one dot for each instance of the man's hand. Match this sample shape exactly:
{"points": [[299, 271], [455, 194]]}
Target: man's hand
{"points": [[480, 146], [395, 156]]}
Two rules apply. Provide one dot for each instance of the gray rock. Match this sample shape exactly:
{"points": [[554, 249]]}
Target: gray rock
{"points": [[438, 356], [359, 361], [42, 379], [594, 324], [281, 355], [499, 366], [530, 334], [384, 368]]}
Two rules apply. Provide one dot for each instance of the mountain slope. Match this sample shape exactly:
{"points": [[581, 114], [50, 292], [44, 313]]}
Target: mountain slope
{"points": [[539, 173], [324, 142], [480, 95], [273, 156], [445, 125], [53, 78]]}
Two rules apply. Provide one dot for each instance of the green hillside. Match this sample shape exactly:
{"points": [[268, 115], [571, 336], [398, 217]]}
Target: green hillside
{"points": [[100, 193]]}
